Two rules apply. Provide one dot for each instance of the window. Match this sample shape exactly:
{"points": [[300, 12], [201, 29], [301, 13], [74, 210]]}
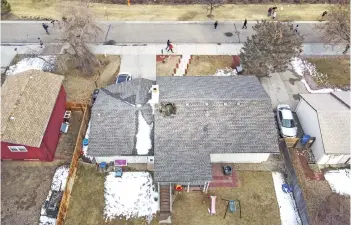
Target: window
{"points": [[288, 123], [280, 115], [17, 149]]}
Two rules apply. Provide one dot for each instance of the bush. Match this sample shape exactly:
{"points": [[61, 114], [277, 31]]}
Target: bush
{"points": [[5, 7]]}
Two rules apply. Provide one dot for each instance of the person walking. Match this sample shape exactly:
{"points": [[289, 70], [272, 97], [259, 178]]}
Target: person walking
{"points": [[295, 30], [170, 48], [324, 14], [245, 24], [168, 43], [41, 43], [269, 12], [216, 24], [274, 14], [346, 49], [46, 27]]}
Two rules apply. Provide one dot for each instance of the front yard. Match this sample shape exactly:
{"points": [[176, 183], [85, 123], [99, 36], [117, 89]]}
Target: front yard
{"points": [[255, 192], [208, 65]]}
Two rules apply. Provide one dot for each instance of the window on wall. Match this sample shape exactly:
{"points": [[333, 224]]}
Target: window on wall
{"points": [[17, 148]]}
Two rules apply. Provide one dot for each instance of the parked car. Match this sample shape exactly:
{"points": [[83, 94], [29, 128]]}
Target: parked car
{"points": [[286, 123], [123, 77]]}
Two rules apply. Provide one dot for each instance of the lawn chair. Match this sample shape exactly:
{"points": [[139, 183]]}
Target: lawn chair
{"points": [[231, 206]]}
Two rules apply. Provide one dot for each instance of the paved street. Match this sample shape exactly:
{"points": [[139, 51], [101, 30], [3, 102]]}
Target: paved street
{"points": [[121, 32]]}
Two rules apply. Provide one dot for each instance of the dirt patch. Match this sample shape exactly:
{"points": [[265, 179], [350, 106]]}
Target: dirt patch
{"points": [[87, 202], [167, 67], [80, 87], [24, 188], [202, 65], [67, 142], [335, 69], [255, 192]]}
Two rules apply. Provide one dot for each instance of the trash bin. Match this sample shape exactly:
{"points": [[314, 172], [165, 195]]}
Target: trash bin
{"points": [[305, 139]]}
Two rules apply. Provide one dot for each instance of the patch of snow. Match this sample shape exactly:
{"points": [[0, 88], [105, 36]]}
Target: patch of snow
{"points": [[226, 72], [85, 148], [32, 63], [286, 202], [60, 179], [45, 220], [301, 66], [143, 144], [339, 181], [132, 195]]}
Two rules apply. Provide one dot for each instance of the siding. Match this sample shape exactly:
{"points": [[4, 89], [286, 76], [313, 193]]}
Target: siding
{"points": [[309, 121], [32, 152], [239, 157]]}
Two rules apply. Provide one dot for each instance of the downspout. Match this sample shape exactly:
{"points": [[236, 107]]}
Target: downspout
{"points": [[170, 197]]}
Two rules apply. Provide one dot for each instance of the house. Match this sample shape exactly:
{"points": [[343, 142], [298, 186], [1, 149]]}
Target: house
{"points": [[327, 118], [32, 109]]}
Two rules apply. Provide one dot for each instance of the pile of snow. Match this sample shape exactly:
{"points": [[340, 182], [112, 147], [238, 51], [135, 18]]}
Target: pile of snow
{"points": [[132, 195], [143, 144], [58, 184], [226, 72], [286, 202], [339, 181], [85, 148], [302, 66], [44, 63]]}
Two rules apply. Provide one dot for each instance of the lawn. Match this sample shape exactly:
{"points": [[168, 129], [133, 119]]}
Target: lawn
{"points": [[167, 67], [87, 201], [201, 65], [337, 70], [255, 192], [28, 8]]}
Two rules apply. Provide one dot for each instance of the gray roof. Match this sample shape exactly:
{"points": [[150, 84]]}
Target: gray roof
{"points": [[333, 114], [114, 117], [213, 115]]}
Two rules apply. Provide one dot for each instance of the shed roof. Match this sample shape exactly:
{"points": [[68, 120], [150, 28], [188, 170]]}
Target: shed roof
{"points": [[334, 120], [213, 115], [27, 101]]}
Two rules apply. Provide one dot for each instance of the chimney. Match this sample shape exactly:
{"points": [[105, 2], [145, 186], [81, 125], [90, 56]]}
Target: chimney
{"points": [[155, 94]]}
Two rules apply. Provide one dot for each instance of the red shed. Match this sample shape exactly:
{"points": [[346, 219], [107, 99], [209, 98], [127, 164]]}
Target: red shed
{"points": [[33, 104]]}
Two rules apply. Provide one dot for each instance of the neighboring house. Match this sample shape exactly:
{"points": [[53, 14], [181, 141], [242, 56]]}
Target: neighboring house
{"points": [[327, 118], [32, 108], [119, 112]]}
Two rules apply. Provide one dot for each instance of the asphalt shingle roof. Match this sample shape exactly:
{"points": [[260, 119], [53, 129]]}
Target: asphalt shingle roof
{"points": [[213, 115], [114, 117]]}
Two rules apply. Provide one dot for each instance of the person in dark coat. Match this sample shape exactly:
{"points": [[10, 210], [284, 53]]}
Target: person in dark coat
{"points": [[46, 27], [216, 24], [41, 43], [269, 11], [295, 30], [168, 43], [245, 24]]}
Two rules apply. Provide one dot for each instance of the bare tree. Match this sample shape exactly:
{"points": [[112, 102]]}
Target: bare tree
{"points": [[334, 210], [270, 49], [77, 29], [337, 27], [210, 5]]}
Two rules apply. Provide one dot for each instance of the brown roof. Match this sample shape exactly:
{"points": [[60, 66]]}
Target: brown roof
{"points": [[27, 101]]}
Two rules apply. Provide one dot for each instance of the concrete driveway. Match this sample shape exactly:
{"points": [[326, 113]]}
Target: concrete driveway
{"points": [[140, 66]]}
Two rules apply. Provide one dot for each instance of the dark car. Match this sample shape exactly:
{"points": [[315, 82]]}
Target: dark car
{"points": [[123, 77]]}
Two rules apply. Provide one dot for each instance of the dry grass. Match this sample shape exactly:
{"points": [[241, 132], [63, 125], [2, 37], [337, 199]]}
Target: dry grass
{"points": [[87, 202], [255, 192], [336, 68], [297, 12], [167, 68], [79, 87], [208, 64]]}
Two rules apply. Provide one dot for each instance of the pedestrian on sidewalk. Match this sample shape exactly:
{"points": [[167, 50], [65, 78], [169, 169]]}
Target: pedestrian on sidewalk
{"points": [[170, 47], [216, 24], [295, 30], [324, 14], [46, 27], [41, 43], [245, 23], [168, 43], [346, 49], [269, 11], [274, 14]]}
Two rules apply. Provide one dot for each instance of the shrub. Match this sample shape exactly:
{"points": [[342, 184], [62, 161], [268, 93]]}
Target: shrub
{"points": [[5, 7]]}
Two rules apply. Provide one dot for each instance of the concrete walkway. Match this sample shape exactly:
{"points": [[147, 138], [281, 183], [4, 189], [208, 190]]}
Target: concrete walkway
{"points": [[140, 66]]}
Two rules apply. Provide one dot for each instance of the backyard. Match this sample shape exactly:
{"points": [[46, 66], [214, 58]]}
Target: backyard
{"points": [[255, 192]]}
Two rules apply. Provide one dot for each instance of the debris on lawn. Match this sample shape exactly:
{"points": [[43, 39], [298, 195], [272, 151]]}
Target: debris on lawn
{"points": [[308, 71], [287, 207], [44, 63], [58, 184], [226, 72], [143, 144], [339, 181], [132, 195]]}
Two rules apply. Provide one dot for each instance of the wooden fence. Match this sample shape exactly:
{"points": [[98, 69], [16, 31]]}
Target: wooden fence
{"points": [[85, 109], [291, 142]]}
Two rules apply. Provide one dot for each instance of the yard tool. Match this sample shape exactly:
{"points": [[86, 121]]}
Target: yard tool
{"points": [[231, 206]]}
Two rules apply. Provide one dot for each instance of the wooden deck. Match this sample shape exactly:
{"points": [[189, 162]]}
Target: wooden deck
{"points": [[220, 180], [165, 201]]}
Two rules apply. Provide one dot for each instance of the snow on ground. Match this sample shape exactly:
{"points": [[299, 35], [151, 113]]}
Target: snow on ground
{"points": [[225, 72], [85, 148], [143, 144], [301, 66], [32, 63], [132, 195], [286, 202], [339, 181], [58, 184]]}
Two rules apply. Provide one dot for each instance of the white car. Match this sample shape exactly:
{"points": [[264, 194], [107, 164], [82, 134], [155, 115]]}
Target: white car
{"points": [[286, 121]]}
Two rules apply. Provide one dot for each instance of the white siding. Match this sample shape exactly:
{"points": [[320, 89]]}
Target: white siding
{"points": [[309, 121], [130, 159], [240, 157]]}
